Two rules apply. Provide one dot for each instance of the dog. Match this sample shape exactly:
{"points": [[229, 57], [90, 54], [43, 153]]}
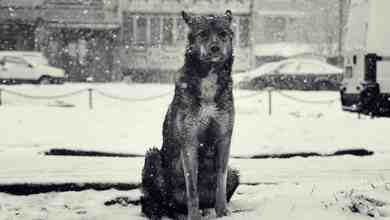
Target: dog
{"points": [[190, 173]]}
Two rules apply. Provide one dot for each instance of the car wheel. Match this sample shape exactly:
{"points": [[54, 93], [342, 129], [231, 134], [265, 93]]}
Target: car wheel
{"points": [[45, 80], [323, 85], [60, 81]]}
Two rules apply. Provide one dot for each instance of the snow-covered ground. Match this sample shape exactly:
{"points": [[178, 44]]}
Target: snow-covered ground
{"points": [[296, 188]]}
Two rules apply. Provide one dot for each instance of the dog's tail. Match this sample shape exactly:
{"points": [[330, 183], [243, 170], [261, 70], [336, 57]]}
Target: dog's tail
{"points": [[152, 185], [233, 181]]}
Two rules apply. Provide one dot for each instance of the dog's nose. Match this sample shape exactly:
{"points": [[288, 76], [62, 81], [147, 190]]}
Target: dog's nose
{"points": [[214, 49]]}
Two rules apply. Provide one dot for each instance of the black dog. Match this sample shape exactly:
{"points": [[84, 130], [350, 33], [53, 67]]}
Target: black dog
{"points": [[191, 170]]}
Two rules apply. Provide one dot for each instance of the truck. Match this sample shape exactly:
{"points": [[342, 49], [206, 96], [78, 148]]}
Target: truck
{"points": [[365, 87]]}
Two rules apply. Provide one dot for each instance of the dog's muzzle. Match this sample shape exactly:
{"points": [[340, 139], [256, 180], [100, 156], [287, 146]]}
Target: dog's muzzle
{"points": [[215, 49], [215, 53]]}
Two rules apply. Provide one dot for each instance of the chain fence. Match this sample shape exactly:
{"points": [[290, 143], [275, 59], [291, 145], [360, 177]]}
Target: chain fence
{"points": [[127, 99], [245, 97], [269, 91], [78, 92], [27, 96], [314, 102]]}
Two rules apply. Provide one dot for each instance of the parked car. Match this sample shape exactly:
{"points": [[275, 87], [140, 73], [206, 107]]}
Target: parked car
{"points": [[297, 74], [32, 67]]}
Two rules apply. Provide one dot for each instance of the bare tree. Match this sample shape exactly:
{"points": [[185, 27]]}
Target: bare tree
{"points": [[322, 27]]}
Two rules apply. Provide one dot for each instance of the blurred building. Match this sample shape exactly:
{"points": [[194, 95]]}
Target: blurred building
{"points": [[307, 26], [154, 34], [278, 20], [18, 21], [106, 39], [82, 37], [79, 36]]}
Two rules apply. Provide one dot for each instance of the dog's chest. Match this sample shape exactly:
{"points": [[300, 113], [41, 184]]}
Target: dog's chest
{"points": [[206, 112], [208, 87]]}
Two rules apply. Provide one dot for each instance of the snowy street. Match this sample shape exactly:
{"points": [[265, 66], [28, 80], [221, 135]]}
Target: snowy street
{"points": [[304, 188]]}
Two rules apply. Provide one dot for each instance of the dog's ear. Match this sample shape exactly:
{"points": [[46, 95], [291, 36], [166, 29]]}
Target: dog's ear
{"points": [[186, 17], [229, 15]]}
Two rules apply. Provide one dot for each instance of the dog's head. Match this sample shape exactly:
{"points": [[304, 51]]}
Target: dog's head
{"points": [[210, 37]]}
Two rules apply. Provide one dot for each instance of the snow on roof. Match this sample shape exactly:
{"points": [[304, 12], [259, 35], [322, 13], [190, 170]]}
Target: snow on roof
{"points": [[290, 66]]}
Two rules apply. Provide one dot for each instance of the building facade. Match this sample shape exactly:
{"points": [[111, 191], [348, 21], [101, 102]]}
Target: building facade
{"points": [[278, 20], [106, 39], [82, 37], [154, 34], [18, 21], [314, 22], [79, 36]]}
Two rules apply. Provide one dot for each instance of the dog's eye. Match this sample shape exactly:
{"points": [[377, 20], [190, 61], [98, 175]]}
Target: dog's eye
{"points": [[204, 35], [223, 34]]}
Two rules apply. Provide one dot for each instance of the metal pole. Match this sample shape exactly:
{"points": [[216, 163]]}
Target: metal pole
{"points": [[341, 23], [120, 18], [269, 101], [1, 101], [90, 98], [252, 35]]}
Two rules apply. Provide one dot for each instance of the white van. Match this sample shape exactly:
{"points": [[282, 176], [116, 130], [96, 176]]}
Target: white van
{"points": [[26, 66], [366, 84]]}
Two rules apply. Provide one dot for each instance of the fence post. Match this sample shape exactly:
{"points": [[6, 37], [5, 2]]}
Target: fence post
{"points": [[90, 98], [270, 101]]}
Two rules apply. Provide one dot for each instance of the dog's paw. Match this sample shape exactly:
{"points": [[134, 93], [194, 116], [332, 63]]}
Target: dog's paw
{"points": [[222, 212], [194, 217], [207, 213]]}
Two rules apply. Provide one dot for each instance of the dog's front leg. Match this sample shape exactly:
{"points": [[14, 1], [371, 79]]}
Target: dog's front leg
{"points": [[189, 157], [222, 168], [224, 133]]}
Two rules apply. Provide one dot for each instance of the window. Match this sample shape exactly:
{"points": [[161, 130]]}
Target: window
{"points": [[155, 31], [15, 60], [167, 31], [275, 29], [181, 30], [244, 32], [235, 28], [348, 72], [128, 30], [141, 35]]}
